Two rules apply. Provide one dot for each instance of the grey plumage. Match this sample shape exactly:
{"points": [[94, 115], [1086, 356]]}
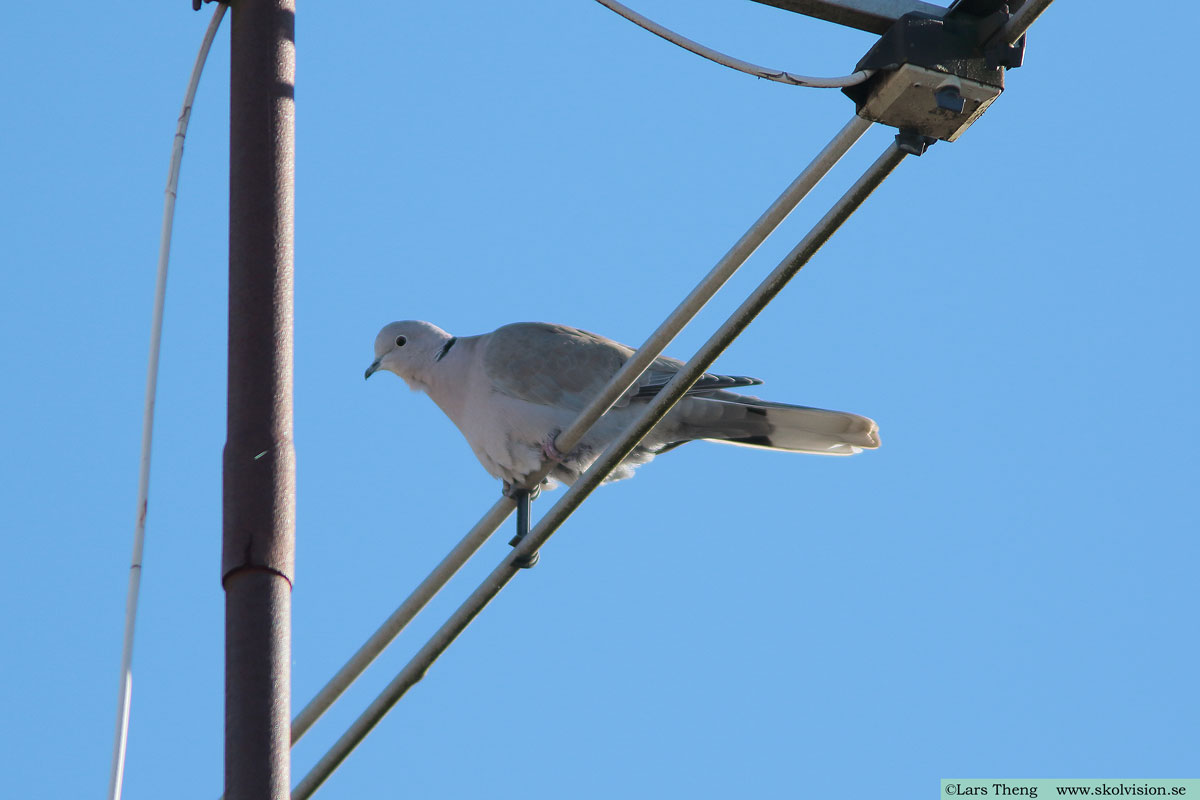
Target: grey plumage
{"points": [[512, 391]]}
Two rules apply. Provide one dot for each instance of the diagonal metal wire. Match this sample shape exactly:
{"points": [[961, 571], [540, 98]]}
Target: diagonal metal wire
{"points": [[400, 618], [416, 668], [691, 305]]}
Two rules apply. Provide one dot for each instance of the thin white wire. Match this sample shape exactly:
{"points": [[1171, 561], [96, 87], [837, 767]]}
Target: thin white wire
{"points": [[779, 75], [117, 775]]}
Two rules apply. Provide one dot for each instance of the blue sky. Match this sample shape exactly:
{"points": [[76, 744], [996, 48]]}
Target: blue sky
{"points": [[1005, 588]]}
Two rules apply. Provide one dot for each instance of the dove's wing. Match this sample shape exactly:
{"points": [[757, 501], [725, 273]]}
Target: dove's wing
{"points": [[565, 367], [550, 365], [663, 370]]}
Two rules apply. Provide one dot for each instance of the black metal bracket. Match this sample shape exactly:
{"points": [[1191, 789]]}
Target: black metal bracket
{"points": [[936, 75], [999, 53], [953, 45]]}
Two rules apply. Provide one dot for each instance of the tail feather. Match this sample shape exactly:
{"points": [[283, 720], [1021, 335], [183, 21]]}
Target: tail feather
{"points": [[750, 422]]}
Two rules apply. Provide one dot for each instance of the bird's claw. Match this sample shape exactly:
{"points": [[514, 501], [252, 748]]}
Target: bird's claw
{"points": [[550, 451]]}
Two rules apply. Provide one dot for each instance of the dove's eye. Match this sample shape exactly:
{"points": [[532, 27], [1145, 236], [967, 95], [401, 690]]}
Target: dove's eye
{"points": [[401, 341]]}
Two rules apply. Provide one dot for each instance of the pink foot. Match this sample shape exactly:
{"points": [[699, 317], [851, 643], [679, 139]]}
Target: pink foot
{"points": [[550, 451]]}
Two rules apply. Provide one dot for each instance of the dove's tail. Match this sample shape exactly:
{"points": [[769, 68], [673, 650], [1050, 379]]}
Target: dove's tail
{"points": [[750, 422]]}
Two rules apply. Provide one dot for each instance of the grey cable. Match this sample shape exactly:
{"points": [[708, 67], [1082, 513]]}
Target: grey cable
{"points": [[767, 73], [117, 775]]}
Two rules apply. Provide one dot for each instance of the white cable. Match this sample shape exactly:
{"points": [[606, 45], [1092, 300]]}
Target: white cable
{"points": [[139, 532], [852, 79]]}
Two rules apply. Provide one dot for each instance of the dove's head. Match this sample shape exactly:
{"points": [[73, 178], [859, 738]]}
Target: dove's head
{"points": [[408, 348]]}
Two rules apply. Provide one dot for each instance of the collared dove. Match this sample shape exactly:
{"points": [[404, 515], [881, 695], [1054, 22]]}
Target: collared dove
{"points": [[512, 391]]}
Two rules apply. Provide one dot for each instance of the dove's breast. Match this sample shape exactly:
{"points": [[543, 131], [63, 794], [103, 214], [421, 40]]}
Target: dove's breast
{"points": [[505, 432]]}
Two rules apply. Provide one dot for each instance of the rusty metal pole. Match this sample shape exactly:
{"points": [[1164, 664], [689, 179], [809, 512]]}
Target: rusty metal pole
{"points": [[257, 558]]}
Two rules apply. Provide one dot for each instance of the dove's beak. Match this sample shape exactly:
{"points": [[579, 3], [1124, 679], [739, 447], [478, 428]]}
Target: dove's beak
{"points": [[371, 370]]}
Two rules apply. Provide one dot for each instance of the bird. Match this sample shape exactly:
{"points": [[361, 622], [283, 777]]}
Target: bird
{"points": [[512, 391]]}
